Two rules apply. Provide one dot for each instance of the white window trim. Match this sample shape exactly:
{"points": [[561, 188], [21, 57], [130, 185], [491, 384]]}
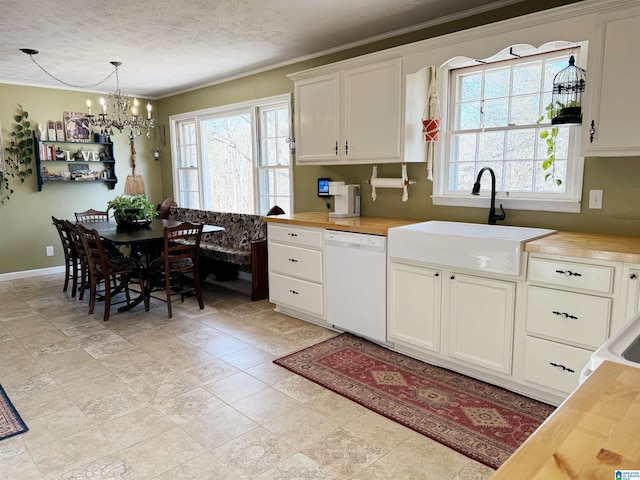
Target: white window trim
{"points": [[572, 197], [204, 114]]}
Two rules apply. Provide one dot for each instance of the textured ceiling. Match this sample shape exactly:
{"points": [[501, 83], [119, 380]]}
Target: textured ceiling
{"points": [[168, 46]]}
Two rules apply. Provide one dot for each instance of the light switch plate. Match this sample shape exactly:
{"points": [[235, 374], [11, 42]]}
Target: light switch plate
{"points": [[595, 199]]}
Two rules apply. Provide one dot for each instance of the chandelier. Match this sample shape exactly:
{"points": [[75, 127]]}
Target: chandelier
{"points": [[120, 119], [118, 111]]}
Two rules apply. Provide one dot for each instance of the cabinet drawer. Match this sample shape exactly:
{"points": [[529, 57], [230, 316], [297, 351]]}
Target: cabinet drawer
{"points": [[295, 261], [594, 278], [297, 294], [554, 365], [296, 235], [571, 317]]}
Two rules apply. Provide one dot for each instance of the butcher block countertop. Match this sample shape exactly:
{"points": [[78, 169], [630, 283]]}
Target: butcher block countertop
{"points": [[590, 436], [598, 246], [371, 225]]}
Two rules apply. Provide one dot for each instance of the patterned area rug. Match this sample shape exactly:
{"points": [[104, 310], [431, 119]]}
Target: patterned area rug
{"points": [[10, 422], [479, 420]]}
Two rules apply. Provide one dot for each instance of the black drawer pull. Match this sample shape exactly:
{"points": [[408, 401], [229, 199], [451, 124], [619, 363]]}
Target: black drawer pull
{"points": [[568, 273], [293, 260], [561, 367], [292, 234], [565, 315], [294, 292]]}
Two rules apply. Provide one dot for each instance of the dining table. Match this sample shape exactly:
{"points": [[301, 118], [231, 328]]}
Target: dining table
{"points": [[143, 241], [138, 237]]}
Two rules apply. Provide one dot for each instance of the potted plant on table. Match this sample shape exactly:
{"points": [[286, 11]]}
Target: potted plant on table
{"points": [[131, 211]]}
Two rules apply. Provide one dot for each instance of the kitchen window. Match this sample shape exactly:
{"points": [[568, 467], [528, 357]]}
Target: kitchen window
{"points": [[234, 158], [493, 112]]}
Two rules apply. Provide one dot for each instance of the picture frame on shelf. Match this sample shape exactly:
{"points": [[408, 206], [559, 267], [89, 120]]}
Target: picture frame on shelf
{"points": [[51, 130], [59, 132], [76, 126]]}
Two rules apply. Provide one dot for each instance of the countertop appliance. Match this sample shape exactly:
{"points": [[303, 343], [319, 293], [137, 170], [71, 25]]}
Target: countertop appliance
{"points": [[346, 200], [355, 279], [623, 347]]}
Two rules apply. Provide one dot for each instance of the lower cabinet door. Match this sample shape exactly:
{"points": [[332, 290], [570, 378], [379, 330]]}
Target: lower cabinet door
{"points": [[554, 365], [414, 306], [481, 317], [297, 294]]}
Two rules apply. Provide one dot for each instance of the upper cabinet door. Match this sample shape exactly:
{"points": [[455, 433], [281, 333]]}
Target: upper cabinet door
{"points": [[350, 116], [614, 101], [317, 119], [372, 112]]}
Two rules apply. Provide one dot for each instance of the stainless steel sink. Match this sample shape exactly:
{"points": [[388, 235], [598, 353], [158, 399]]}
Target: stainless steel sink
{"points": [[488, 248]]}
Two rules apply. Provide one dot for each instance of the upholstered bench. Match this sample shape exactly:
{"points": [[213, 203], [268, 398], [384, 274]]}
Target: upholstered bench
{"points": [[242, 246]]}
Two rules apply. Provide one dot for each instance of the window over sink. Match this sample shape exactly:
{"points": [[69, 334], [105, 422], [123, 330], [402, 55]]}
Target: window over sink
{"points": [[495, 115]]}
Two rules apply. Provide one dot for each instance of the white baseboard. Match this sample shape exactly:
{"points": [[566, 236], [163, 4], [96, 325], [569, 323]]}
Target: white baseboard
{"points": [[31, 273]]}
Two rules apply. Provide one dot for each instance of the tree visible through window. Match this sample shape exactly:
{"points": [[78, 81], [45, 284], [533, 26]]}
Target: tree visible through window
{"points": [[242, 161], [494, 114]]}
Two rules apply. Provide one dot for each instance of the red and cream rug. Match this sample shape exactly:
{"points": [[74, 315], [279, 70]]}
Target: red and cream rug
{"points": [[10, 422], [482, 421]]}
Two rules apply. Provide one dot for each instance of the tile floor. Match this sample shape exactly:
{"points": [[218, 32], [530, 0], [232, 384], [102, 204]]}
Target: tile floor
{"points": [[194, 397]]}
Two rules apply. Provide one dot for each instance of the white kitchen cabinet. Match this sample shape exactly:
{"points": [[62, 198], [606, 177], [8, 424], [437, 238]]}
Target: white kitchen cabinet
{"points": [[414, 306], [296, 275], [481, 319], [568, 316], [630, 292], [611, 126], [349, 116]]}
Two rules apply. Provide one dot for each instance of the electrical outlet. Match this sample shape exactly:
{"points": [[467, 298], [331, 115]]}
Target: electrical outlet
{"points": [[49, 250], [595, 198]]}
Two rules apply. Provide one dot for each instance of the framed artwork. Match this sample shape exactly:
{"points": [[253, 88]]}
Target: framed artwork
{"points": [[76, 127]]}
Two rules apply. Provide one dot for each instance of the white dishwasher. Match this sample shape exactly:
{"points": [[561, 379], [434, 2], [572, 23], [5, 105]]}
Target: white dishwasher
{"points": [[356, 283]]}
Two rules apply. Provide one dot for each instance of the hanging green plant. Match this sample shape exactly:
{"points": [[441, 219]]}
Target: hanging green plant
{"points": [[550, 135], [19, 155]]}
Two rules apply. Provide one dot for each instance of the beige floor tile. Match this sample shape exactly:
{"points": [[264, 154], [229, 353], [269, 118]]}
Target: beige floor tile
{"points": [[253, 453], [12, 446], [265, 405], [159, 388], [46, 429], [18, 388], [204, 467], [418, 459], [475, 471], [221, 426], [298, 467], [20, 466], [299, 388], [269, 373], [384, 432], [235, 387], [111, 467], [186, 406], [210, 372], [136, 427], [248, 357], [161, 453], [341, 410], [345, 454], [71, 452], [301, 428]]}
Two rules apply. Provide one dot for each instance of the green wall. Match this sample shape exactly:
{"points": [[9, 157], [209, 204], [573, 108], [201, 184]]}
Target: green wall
{"points": [[25, 219]]}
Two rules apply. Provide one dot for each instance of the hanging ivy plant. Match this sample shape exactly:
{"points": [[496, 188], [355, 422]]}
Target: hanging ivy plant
{"points": [[550, 136], [19, 155]]}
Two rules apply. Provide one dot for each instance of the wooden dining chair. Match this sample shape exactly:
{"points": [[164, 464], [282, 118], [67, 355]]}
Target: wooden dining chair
{"points": [[92, 215], [164, 208], [179, 259], [71, 261], [117, 273], [83, 267]]}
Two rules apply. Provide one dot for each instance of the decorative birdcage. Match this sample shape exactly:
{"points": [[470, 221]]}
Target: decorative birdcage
{"points": [[566, 99]]}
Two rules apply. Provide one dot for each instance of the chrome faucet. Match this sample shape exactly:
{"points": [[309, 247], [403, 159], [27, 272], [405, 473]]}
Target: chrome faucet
{"points": [[493, 216]]}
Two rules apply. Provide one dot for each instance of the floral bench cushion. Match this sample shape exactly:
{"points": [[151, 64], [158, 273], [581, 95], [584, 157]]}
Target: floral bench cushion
{"points": [[234, 244]]}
